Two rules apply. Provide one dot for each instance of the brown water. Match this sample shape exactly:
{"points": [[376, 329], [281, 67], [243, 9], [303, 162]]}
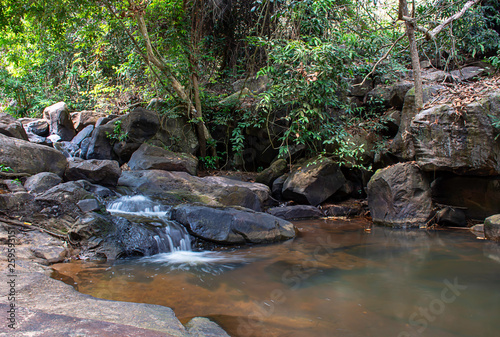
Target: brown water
{"points": [[335, 279]]}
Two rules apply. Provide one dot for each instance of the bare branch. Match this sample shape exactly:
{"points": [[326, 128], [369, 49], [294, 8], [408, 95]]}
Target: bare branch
{"points": [[439, 28]]}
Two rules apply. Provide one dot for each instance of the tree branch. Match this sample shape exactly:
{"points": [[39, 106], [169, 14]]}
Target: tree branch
{"points": [[432, 34]]}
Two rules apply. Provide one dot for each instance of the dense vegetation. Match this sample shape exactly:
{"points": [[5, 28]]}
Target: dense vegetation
{"points": [[113, 55]]}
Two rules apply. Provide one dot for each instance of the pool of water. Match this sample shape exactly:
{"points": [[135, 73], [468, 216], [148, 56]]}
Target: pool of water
{"points": [[337, 278]]}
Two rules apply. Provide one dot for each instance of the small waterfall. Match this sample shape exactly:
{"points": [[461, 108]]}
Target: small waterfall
{"points": [[168, 235]]}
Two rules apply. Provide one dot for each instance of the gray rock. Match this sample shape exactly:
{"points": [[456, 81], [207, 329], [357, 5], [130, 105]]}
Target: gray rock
{"points": [[255, 84], [492, 227], [466, 144], [314, 181], [68, 149], [360, 90], [82, 135], [149, 157], [479, 197], [436, 76], [25, 157], [451, 216], [269, 175], [60, 121], [398, 92], [296, 212], [15, 202], [277, 188], [203, 327], [176, 134], [232, 226], [89, 205], [41, 182], [83, 119], [15, 186], [399, 196], [38, 127], [100, 146], [176, 187], [102, 172], [379, 97], [468, 73], [51, 254], [11, 127]]}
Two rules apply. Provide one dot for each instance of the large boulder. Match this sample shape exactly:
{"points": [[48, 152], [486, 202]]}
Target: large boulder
{"points": [[101, 172], [99, 146], [176, 187], [60, 121], [463, 143], [11, 127], [479, 197], [400, 196], [314, 181], [231, 225], [82, 119], [149, 157], [41, 182], [398, 93], [492, 227], [25, 157]]}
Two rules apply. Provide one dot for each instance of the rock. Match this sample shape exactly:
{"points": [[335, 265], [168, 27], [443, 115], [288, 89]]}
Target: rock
{"points": [[52, 254], [450, 216], [479, 228], [15, 186], [176, 187], [100, 146], [295, 212], [102, 172], [277, 188], [41, 182], [25, 157], [402, 144], [492, 227], [478, 196], [39, 127], [436, 76], [400, 196], [15, 202], [140, 125], [176, 134], [39, 140], [106, 120], [314, 181], [11, 127], [89, 205], [465, 144], [378, 98], [391, 120], [68, 149], [468, 73], [65, 196], [83, 119], [82, 135], [239, 98], [255, 84], [149, 157], [203, 327], [347, 208], [60, 121], [398, 92], [232, 226], [269, 175]]}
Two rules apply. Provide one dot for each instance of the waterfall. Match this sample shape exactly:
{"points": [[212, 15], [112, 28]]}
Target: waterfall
{"points": [[169, 235]]}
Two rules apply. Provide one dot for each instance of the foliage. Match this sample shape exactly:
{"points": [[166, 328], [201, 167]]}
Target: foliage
{"points": [[118, 135], [4, 168]]}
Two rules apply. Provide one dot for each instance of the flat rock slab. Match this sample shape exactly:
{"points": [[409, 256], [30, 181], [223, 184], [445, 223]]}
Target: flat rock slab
{"points": [[296, 212]]}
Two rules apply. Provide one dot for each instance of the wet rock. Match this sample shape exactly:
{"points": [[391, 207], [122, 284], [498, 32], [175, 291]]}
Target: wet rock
{"points": [[68, 149], [41, 182], [89, 205], [100, 146], [492, 227], [11, 127], [313, 182], [296, 212], [400, 196], [450, 216], [25, 157], [347, 208], [82, 135], [269, 175], [102, 172], [39, 127], [465, 144], [176, 187], [149, 157], [277, 188], [479, 197], [232, 226], [60, 121]]}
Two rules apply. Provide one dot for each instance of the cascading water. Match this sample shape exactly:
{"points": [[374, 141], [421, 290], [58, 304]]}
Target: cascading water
{"points": [[173, 242], [169, 235]]}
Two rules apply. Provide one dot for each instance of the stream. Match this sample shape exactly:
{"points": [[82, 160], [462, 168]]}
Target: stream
{"points": [[337, 278]]}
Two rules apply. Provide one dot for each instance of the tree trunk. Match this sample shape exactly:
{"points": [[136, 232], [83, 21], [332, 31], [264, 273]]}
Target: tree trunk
{"points": [[415, 60]]}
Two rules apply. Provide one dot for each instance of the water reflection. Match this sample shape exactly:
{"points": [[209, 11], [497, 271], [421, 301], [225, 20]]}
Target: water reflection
{"points": [[335, 279]]}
